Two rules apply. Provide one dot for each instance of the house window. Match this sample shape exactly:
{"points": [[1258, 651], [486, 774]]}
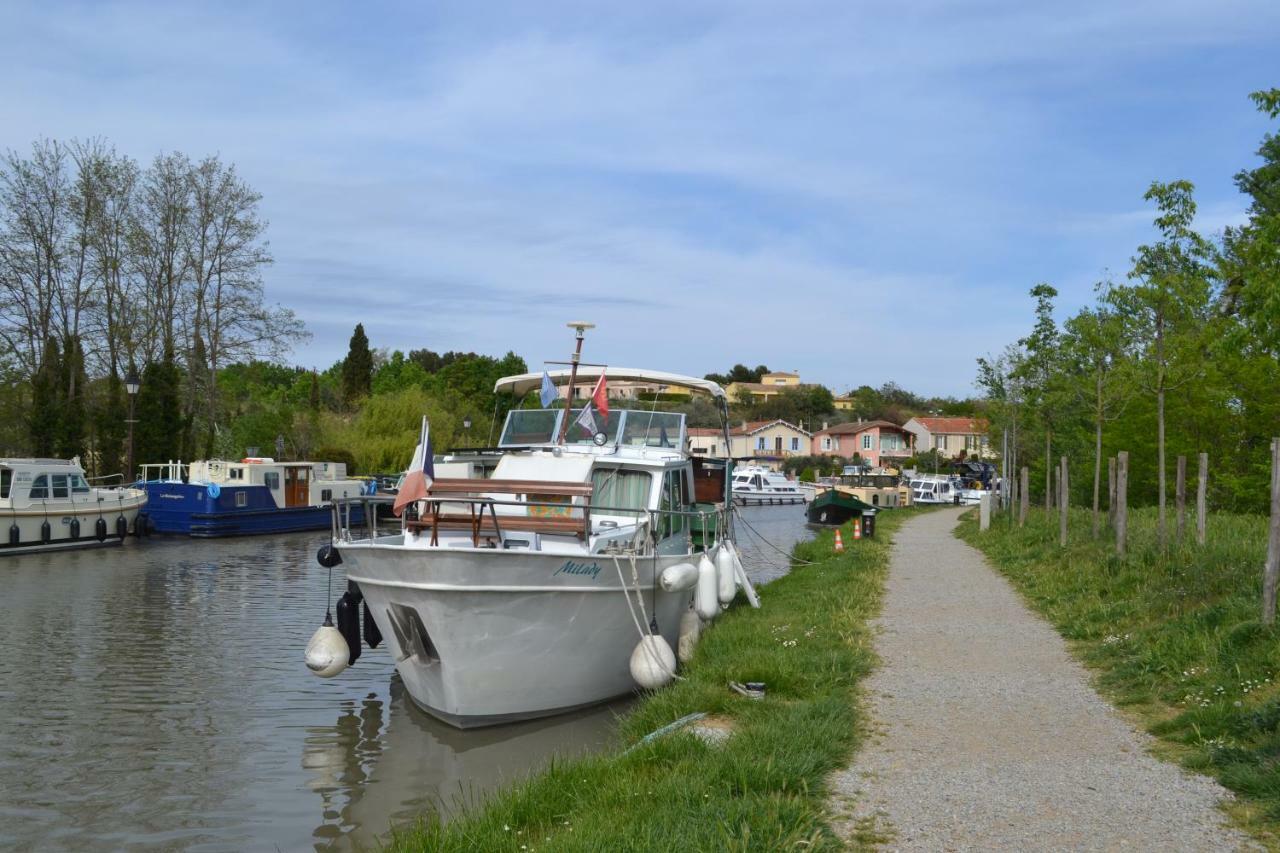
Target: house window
{"points": [[795, 443], [826, 442], [940, 442], [760, 443], [866, 441]]}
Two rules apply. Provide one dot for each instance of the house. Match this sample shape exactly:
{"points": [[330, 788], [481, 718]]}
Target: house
{"points": [[770, 385], [769, 442], [704, 441], [878, 443], [845, 402], [951, 436]]}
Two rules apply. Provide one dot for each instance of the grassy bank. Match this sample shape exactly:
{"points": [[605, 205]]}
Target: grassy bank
{"points": [[765, 788], [1174, 637]]}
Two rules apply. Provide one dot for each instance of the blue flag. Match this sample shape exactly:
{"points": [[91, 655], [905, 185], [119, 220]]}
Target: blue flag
{"points": [[549, 393]]}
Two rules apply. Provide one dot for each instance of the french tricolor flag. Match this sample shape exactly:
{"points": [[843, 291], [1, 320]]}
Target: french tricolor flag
{"points": [[421, 474]]}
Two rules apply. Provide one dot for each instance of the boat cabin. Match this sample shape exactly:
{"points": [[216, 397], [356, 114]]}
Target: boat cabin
{"points": [[35, 482], [291, 484]]}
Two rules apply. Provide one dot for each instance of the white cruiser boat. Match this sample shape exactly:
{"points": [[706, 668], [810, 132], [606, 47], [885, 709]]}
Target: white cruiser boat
{"points": [[49, 505], [521, 594], [753, 484], [935, 489]]}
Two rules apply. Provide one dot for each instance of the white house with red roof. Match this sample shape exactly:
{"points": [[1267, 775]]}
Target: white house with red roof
{"points": [[951, 436]]}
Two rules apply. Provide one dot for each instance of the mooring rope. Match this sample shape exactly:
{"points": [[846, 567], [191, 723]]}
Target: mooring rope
{"points": [[649, 652], [761, 537]]}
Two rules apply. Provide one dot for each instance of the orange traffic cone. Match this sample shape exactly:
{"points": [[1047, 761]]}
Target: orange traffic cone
{"points": [[857, 528], [839, 542]]}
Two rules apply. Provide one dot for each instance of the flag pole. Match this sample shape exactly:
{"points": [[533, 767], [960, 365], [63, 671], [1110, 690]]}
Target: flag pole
{"points": [[581, 326]]}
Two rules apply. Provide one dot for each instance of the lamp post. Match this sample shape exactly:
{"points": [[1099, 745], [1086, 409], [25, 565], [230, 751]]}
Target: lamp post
{"points": [[466, 429], [131, 384]]}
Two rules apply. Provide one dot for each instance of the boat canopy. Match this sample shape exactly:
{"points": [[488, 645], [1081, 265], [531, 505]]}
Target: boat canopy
{"points": [[523, 384]]}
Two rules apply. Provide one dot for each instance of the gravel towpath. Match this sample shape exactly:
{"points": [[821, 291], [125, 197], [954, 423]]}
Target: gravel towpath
{"points": [[988, 734]]}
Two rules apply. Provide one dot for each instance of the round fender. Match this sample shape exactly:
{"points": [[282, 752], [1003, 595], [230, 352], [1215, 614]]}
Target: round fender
{"points": [[100, 529], [679, 577], [328, 556], [122, 527], [214, 490], [75, 528]]}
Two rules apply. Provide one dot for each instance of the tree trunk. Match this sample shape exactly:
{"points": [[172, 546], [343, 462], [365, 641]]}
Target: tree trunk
{"points": [[1271, 572], [1024, 496], [1202, 488], [1064, 504], [1122, 508], [1097, 461], [1180, 498], [1111, 491]]}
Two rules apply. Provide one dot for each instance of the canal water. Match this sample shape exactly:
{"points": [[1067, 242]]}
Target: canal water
{"points": [[153, 697]]}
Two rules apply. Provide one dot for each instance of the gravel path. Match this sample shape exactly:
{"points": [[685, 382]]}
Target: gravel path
{"points": [[989, 736]]}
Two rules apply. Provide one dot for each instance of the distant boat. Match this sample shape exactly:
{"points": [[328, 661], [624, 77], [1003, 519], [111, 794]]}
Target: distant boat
{"points": [[49, 506], [254, 495], [753, 484]]}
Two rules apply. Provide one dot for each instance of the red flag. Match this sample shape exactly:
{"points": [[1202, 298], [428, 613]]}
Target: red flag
{"points": [[600, 396]]}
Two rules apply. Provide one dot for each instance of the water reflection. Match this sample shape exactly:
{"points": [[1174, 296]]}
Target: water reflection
{"points": [[153, 697], [386, 764]]}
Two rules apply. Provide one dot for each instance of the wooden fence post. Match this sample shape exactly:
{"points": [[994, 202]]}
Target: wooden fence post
{"points": [[1122, 497], [1052, 500], [1271, 571], [1202, 487], [1180, 496], [1024, 496], [1064, 503], [1111, 491]]}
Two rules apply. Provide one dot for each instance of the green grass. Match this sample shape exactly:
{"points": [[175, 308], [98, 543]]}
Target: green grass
{"points": [[766, 787], [1175, 638]]}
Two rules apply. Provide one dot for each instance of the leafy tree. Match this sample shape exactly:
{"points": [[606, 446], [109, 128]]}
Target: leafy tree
{"points": [[110, 427], [159, 430], [1037, 372], [71, 415], [46, 400], [357, 368], [739, 373]]}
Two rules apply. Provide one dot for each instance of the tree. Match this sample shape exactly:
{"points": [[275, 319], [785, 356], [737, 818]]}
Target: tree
{"points": [[1095, 343], [71, 412], [357, 368], [46, 401], [158, 434], [1037, 372], [1168, 307]]}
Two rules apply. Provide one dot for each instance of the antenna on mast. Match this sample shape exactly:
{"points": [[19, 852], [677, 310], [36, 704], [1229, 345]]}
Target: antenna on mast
{"points": [[580, 326]]}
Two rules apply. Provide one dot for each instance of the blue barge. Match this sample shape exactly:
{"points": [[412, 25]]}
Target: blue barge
{"points": [[256, 495]]}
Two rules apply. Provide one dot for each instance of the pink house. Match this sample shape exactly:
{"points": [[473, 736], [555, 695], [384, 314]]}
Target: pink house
{"points": [[878, 443]]}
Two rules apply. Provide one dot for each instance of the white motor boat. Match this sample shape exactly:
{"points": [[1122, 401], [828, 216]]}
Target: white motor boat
{"points": [[523, 594], [935, 489], [753, 484], [50, 506]]}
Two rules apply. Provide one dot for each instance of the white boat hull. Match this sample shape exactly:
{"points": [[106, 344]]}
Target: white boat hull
{"points": [[30, 522], [508, 635]]}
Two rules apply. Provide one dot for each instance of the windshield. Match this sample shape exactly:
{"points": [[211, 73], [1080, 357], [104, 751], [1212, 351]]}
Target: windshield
{"points": [[652, 429], [579, 434], [529, 426]]}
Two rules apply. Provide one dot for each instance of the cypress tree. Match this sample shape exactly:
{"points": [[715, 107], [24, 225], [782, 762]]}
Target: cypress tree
{"points": [[158, 434], [71, 385], [46, 401], [110, 427], [357, 368]]}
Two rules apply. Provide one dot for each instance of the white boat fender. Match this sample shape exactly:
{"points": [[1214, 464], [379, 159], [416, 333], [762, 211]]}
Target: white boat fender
{"points": [[679, 577], [690, 629], [743, 581], [327, 652], [653, 664], [726, 577], [348, 611], [706, 598]]}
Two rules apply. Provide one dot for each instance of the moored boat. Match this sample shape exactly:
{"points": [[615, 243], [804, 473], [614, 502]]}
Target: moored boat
{"points": [[49, 505], [755, 484], [563, 578], [254, 495]]}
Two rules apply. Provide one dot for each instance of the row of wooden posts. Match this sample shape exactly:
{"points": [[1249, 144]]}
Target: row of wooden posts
{"points": [[1118, 510]]}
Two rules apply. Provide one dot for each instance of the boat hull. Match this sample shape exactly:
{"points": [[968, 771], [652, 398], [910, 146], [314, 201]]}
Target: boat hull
{"points": [[30, 522], [187, 509], [835, 508], [482, 637]]}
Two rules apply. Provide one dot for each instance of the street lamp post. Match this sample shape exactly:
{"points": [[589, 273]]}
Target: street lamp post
{"points": [[131, 384], [466, 429]]}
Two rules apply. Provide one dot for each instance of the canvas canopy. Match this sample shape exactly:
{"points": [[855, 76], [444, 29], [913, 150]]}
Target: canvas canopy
{"points": [[523, 384]]}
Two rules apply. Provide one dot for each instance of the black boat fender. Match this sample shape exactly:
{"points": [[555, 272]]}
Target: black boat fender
{"points": [[15, 535], [46, 532], [100, 529], [328, 556], [349, 621], [75, 528], [122, 527], [372, 635]]}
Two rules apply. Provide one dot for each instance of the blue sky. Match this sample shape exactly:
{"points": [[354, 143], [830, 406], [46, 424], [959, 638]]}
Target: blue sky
{"points": [[862, 192]]}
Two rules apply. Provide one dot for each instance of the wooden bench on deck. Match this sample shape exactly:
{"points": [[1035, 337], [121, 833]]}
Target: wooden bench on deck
{"points": [[475, 493]]}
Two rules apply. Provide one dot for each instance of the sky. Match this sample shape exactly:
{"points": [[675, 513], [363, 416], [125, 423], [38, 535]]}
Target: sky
{"points": [[859, 192]]}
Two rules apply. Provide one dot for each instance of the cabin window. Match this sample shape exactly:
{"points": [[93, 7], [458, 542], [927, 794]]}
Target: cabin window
{"points": [[40, 487], [875, 500], [675, 498], [326, 495], [533, 426], [609, 426], [620, 491], [271, 479], [6, 482], [235, 474], [60, 488], [242, 498], [652, 429], [78, 485]]}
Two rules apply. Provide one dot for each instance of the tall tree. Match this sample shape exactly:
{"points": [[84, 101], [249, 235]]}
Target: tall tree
{"points": [[71, 414], [1168, 306], [46, 400], [158, 434], [1037, 373], [357, 369]]}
